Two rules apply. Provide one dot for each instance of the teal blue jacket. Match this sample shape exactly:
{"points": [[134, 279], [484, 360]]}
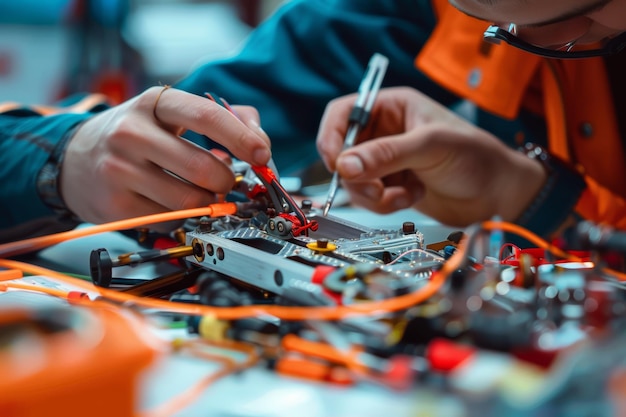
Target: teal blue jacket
{"points": [[307, 53]]}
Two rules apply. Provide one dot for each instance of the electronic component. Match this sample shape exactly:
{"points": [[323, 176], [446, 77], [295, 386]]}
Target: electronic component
{"points": [[239, 249], [467, 304], [273, 244]]}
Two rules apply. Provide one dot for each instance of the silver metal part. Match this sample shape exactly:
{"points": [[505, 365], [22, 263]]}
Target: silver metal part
{"points": [[254, 256]]}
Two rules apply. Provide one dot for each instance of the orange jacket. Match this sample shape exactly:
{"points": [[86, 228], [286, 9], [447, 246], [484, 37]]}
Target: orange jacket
{"points": [[570, 94]]}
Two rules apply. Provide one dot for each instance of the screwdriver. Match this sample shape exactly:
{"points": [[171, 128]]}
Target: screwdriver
{"points": [[359, 116]]}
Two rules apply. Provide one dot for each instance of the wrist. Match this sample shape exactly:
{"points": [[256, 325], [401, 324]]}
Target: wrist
{"points": [[49, 177], [553, 204]]}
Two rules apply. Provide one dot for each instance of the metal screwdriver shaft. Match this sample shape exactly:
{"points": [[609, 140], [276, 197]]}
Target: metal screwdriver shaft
{"points": [[368, 90]]}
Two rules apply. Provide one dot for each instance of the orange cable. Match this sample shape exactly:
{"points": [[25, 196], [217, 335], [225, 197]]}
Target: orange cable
{"points": [[302, 313], [528, 235], [10, 274], [46, 290], [325, 351], [38, 270], [543, 244], [190, 395], [231, 366], [233, 313], [8, 250]]}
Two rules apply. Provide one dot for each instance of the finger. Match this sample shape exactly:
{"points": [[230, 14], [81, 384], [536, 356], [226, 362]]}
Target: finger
{"points": [[168, 190], [203, 116], [160, 192], [378, 158], [333, 127], [384, 198], [186, 160], [250, 117], [135, 205], [175, 129], [222, 156], [122, 203]]}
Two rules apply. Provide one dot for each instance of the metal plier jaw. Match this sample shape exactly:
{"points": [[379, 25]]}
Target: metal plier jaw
{"points": [[285, 218]]}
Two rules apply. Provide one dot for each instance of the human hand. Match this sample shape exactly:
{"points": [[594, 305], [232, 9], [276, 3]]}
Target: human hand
{"points": [[130, 161], [416, 153]]}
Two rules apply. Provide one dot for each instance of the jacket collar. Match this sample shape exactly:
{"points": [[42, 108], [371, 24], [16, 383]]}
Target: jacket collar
{"points": [[496, 78]]}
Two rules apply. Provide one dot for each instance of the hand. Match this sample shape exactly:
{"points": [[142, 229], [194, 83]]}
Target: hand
{"points": [[416, 153], [130, 161]]}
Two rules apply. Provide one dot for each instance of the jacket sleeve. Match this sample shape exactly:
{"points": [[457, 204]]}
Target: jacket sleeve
{"points": [[594, 203], [30, 138], [310, 52], [602, 206]]}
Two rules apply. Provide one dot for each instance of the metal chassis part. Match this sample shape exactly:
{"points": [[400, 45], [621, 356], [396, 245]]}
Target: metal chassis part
{"points": [[257, 258]]}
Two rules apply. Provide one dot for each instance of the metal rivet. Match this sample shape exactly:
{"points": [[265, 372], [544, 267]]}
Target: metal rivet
{"points": [[475, 77], [586, 129]]}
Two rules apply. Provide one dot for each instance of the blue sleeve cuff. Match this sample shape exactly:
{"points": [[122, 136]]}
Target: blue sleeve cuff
{"points": [[30, 144]]}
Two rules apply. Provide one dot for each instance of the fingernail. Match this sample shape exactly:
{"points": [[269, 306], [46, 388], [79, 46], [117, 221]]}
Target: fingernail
{"points": [[261, 156], [351, 166]]}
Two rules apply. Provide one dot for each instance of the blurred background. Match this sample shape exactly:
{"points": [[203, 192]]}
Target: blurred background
{"points": [[53, 48]]}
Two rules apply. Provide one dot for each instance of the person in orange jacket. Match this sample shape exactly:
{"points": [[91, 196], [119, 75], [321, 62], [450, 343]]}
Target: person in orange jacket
{"points": [[426, 157]]}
